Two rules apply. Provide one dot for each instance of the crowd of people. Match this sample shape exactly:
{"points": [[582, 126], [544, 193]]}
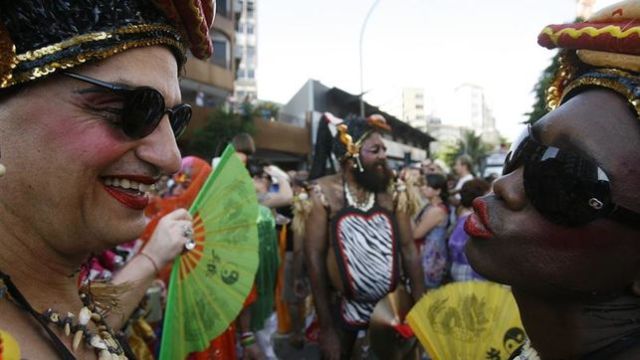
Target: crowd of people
{"points": [[439, 226], [560, 227]]}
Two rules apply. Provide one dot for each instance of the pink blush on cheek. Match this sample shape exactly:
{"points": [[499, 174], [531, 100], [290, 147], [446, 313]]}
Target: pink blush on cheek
{"points": [[95, 145]]}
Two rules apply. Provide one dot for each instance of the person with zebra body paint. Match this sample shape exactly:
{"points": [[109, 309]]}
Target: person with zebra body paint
{"points": [[358, 241]]}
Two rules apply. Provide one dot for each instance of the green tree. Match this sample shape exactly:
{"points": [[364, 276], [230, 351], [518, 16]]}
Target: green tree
{"points": [[222, 125], [470, 144], [267, 110], [540, 90]]}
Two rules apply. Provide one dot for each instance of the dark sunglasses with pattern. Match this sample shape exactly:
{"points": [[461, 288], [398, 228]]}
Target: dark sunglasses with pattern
{"points": [[565, 187], [143, 108]]}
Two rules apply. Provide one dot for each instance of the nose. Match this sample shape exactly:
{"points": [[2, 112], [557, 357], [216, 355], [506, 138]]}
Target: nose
{"points": [[510, 189], [382, 154], [160, 149]]}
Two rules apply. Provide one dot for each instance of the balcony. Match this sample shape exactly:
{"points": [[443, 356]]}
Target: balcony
{"points": [[207, 73], [270, 137], [281, 137], [225, 25]]}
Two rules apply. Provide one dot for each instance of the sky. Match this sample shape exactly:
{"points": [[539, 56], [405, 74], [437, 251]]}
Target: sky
{"points": [[437, 45]]}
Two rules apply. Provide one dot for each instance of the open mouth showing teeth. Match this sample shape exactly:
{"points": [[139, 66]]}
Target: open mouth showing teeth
{"points": [[130, 186]]}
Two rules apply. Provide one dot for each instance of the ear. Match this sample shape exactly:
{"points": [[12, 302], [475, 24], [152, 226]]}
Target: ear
{"points": [[349, 164]]}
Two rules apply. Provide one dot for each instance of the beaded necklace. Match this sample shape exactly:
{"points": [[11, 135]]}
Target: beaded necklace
{"points": [[103, 340], [364, 205]]}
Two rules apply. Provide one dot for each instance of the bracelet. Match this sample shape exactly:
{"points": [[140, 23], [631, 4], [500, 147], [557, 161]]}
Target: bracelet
{"points": [[153, 262]]}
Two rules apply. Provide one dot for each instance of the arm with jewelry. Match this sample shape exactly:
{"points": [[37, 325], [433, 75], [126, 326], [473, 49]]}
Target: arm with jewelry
{"points": [[170, 238]]}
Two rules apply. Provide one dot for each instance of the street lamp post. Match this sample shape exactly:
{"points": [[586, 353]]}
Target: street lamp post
{"points": [[364, 26]]}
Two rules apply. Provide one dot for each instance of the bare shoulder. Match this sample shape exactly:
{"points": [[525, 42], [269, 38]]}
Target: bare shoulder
{"points": [[328, 182], [329, 189]]}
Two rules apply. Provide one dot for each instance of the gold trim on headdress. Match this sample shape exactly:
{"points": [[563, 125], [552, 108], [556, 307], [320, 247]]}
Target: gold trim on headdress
{"points": [[347, 141], [353, 150], [565, 73], [610, 79], [8, 58], [8, 78]]}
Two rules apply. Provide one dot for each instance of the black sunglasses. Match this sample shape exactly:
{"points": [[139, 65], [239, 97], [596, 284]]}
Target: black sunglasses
{"points": [[566, 188], [143, 108]]}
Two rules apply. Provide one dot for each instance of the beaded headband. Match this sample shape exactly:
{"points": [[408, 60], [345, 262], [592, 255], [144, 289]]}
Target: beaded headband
{"points": [[39, 37], [622, 82]]}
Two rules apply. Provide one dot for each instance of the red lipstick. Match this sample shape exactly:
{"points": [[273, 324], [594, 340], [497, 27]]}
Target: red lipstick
{"points": [[477, 224], [128, 199]]}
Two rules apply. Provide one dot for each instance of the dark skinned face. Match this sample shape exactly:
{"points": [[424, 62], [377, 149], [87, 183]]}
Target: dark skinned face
{"points": [[529, 252]]}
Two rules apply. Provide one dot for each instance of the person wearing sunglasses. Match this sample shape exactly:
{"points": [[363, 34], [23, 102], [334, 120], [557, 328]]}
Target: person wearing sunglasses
{"points": [[562, 226], [90, 109]]}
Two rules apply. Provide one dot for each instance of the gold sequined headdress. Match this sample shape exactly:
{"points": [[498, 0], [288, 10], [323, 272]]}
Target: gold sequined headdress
{"points": [[603, 51], [39, 37]]}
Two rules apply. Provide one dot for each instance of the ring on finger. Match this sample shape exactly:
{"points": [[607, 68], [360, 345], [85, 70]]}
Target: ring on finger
{"points": [[187, 231], [190, 245]]}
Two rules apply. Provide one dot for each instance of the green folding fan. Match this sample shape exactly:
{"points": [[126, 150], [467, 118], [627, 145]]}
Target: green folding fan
{"points": [[210, 283]]}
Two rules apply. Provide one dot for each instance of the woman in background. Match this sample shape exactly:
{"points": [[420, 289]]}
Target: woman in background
{"points": [[431, 229], [460, 268]]}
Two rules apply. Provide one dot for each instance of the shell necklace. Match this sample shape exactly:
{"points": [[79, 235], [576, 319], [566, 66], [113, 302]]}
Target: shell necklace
{"points": [[364, 205]]}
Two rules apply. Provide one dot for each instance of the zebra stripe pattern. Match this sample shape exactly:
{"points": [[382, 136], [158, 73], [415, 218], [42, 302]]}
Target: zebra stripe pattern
{"points": [[367, 250]]}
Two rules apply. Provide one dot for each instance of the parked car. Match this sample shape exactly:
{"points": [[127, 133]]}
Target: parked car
{"points": [[493, 165]]}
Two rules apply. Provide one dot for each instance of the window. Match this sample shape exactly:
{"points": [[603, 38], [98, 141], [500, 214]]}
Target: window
{"points": [[221, 50], [250, 8], [223, 7], [240, 73], [251, 74], [249, 28]]}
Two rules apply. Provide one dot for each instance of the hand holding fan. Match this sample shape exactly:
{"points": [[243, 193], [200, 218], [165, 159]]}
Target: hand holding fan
{"points": [[209, 284]]}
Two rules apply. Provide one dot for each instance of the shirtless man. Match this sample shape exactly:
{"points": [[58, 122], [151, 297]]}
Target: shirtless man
{"points": [[358, 236]]}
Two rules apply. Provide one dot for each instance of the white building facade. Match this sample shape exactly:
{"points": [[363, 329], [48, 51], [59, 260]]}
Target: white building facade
{"points": [[413, 112], [246, 51]]}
